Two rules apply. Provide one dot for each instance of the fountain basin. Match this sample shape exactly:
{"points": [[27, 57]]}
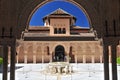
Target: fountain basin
{"points": [[59, 68]]}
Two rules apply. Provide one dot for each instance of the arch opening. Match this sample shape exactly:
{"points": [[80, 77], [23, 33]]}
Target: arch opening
{"points": [[69, 6], [59, 54]]}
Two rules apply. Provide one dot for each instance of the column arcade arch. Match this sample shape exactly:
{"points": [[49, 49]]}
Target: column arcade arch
{"points": [[59, 54]]}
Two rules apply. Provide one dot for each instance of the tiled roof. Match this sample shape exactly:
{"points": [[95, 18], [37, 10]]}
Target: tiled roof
{"points": [[59, 11]]}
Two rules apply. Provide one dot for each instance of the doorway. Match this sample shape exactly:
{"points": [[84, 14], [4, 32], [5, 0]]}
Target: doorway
{"points": [[59, 54]]}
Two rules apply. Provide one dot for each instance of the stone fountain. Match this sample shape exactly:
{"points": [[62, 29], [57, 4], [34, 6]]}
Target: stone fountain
{"points": [[59, 68]]}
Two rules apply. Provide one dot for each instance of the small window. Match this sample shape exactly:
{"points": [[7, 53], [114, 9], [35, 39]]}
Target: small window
{"points": [[60, 31], [64, 30], [55, 30]]}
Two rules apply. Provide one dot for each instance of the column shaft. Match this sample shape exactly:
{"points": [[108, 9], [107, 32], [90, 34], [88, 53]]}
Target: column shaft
{"points": [[106, 62], [12, 63], [5, 62], [114, 65], [50, 57]]}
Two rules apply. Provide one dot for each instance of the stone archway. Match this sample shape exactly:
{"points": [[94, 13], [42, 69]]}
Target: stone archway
{"points": [[90, 7], [18, 12], [90, 11], [59, 53]]}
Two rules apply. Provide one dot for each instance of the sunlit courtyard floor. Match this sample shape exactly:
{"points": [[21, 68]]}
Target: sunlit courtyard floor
{"points": [[81, 71]]}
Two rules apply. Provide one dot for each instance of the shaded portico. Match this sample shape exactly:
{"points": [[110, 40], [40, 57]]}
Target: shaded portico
{"points": [[10, 24]]}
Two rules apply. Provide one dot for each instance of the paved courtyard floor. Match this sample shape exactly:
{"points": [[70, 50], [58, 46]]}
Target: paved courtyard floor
{"points": [[82, 71]]}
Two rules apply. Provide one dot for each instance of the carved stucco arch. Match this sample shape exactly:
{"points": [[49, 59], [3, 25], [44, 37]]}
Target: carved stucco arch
{"points": [[85, 6], [65, 47]]}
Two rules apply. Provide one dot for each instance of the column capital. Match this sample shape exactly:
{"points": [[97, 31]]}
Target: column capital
{"points": [[110, 41], [8, 42]]}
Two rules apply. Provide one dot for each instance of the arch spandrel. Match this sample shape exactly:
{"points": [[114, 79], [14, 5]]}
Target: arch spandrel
{"points": [[86, 6], [21, 54]]}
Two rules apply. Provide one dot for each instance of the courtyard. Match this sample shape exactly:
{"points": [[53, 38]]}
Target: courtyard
{"points": [[81, 71]]}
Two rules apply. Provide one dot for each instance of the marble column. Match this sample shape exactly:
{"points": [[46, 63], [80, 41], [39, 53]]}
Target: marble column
{"points": [[50, 56], [5, 62], [42, 54], [34, 56], [42, 58], [34, 59], [12, 61], [84, 58], [106, 62], [25, 59], [101, 59], [76, 58], [114, 62], [93, 59]]}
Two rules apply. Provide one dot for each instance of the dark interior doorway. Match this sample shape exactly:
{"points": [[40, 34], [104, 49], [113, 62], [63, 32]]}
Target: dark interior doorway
{"points": [[59, 54]]}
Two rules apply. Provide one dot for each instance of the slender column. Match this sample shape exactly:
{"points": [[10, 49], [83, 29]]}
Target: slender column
{"points": [[114, 65], [34, 58], [17, 59], [106, 62], [5, 62], [100, 58], [68, 56], [84, 58], [50, 56], [109, 58], [12, 61], [110, 54], [93, 58], [25, 57], [42, 54], [76, 58]]}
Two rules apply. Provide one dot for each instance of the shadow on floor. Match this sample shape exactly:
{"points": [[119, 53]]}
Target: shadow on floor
{"points": [[17, 67]]}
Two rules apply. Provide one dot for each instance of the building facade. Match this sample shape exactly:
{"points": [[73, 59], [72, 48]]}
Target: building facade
{"points": [[58, 40], [16, 14]]}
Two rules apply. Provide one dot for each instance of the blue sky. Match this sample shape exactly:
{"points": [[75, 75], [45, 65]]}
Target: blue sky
{"points": [[46, 9]]}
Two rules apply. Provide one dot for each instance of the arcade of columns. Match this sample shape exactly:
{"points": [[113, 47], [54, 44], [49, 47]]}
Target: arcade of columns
{"points": [[37, 52], [15, 13], [108, 47], [8, 46], [41, 52]]}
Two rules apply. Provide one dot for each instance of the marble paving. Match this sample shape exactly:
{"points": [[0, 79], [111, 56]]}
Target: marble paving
{"points": [[82, 71]]}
